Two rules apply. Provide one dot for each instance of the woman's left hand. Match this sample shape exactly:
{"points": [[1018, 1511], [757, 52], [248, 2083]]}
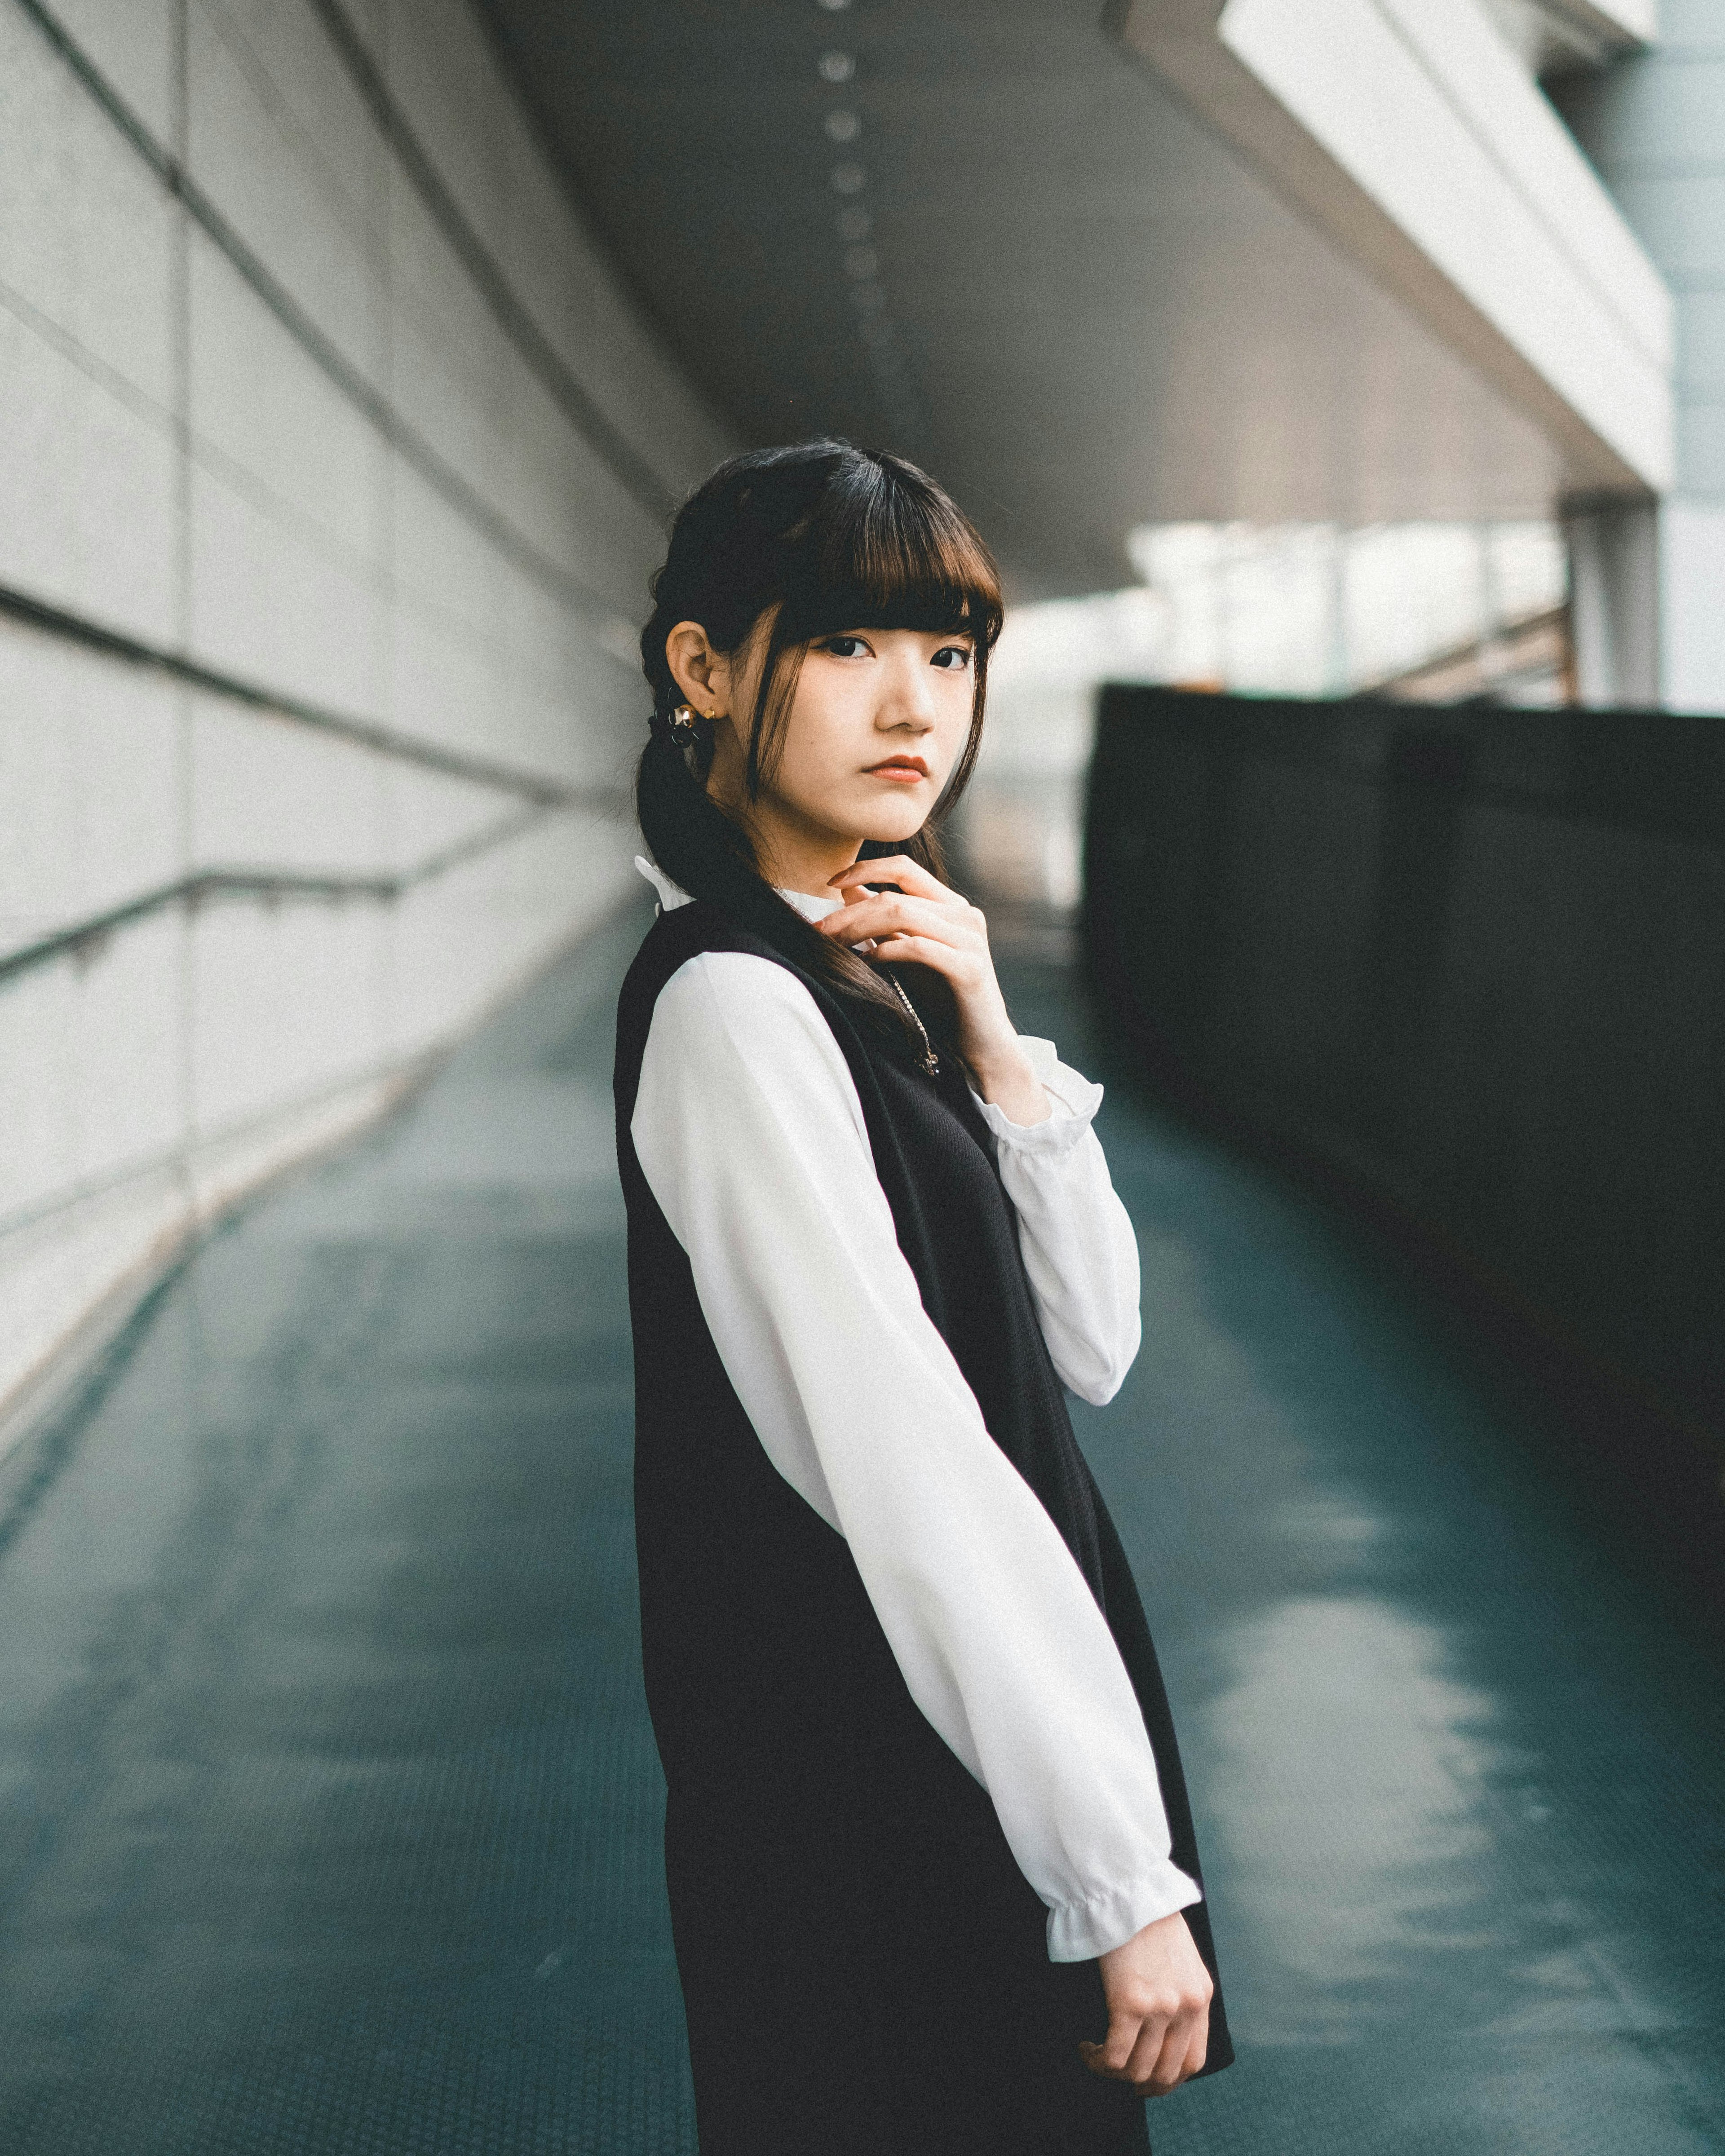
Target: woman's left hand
{"points": [[923, 923]]}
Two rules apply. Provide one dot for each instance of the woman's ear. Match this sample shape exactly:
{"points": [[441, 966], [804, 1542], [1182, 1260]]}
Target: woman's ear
{"points": [[698, 671]]}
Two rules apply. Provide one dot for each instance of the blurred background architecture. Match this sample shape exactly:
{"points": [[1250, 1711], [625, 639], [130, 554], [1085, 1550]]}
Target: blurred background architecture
{"points": [[355, 353]]}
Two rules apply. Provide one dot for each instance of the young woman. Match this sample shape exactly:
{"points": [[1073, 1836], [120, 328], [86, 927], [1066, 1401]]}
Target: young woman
{"points": [[933, 1879]]}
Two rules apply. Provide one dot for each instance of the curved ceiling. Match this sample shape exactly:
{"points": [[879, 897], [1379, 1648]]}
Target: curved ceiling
{"points": [[978, 231]]}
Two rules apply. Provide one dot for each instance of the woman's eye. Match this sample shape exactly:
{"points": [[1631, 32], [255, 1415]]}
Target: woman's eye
{"points": [[845, 647], [953, 657]]}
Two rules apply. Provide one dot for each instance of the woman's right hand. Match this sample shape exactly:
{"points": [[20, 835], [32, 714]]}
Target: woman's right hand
{"points": [[1159, 1993]]}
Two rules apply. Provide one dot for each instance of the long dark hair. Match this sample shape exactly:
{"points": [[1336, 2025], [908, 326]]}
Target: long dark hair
{"points": [[824, 537]]}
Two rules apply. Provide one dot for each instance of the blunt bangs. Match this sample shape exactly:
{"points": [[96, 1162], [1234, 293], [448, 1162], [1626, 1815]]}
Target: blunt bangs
{"points": [[883, 548]]}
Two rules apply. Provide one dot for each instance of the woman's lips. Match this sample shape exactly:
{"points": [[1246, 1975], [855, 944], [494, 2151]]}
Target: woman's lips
{"points": [[905, 769]]}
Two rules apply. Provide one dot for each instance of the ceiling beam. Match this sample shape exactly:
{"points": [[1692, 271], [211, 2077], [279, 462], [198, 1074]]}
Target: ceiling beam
{"points": [[1409, 132], [1619, 22]]}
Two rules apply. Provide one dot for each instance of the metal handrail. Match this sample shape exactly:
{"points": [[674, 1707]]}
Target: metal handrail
{"points": [[82, 939], [368, 733]]}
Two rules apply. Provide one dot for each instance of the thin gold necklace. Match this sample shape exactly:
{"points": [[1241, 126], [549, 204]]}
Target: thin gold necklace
{"points": [[931, 1062]]}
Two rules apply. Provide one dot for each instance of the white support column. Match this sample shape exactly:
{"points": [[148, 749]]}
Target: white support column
{"points": [[1655, 126], [1614, 601], [1691, 551]]}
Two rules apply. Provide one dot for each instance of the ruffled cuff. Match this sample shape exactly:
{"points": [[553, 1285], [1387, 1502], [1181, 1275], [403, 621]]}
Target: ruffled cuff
{"points": [[1074, 1100], [1080, 1930]]}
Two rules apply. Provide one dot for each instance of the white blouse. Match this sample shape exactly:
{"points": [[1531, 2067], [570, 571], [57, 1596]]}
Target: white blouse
{"points": [[750, 1133]]}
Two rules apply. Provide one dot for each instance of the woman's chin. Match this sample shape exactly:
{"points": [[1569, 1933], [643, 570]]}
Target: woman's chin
{"points": [[890, 823]]}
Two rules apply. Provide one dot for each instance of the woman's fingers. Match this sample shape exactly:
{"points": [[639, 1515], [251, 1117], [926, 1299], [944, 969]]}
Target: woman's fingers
{"points": [[1182, 2052], [892, 913], [1127, 2033], [1153, 2054], [1148, 2053], [909, 876], [922, 951], [923, 923]]}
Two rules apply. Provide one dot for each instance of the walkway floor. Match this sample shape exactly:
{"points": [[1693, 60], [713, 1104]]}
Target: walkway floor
{"points": [[330, 1809]]}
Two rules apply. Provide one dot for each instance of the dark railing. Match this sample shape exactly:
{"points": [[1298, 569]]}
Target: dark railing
{"points": [[1470, 962]]}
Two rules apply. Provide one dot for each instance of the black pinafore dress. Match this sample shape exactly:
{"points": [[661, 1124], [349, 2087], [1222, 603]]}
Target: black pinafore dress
{"points": [[864, 1968]]}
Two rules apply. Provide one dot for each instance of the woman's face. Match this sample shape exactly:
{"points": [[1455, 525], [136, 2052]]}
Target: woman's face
{"points": [[880, 718]]}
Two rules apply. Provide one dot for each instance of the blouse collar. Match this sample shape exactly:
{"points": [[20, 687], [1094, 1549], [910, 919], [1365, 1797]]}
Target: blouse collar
{"points": [[673, 895]]}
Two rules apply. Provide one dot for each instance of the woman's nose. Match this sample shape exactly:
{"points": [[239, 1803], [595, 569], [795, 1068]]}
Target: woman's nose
{"points": [[911, 700]]}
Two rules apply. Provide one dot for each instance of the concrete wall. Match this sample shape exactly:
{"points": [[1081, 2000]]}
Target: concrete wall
{"points": [[1655, 126], [335, 461]]}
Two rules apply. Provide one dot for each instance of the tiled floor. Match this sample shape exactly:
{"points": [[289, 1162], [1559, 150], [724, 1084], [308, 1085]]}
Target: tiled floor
{"points": [[330, 1806]]}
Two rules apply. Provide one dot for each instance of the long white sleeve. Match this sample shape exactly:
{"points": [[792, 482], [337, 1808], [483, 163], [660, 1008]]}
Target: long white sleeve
{"points": [[749, 1132], [1075, 1236]]}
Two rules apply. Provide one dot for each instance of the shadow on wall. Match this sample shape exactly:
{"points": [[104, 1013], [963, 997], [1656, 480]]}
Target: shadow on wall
{"points": [[1469, 966]]}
